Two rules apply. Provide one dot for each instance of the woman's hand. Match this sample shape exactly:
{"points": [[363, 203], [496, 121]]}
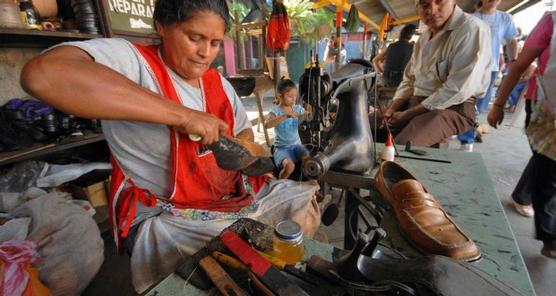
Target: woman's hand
{"points": [[205, 125], [495, 116]]}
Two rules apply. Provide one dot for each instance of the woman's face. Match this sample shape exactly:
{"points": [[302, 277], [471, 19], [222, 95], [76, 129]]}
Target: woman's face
{"points": [[190, 47]]}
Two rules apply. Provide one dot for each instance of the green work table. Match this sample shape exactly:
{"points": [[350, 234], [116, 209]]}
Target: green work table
{"points": [[466, 192]]}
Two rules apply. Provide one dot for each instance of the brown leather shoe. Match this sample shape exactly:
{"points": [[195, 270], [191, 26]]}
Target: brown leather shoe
{"points": [[422, 219]]}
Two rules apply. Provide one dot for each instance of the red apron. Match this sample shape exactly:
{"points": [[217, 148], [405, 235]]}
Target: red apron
{"points": [[198, 182]]}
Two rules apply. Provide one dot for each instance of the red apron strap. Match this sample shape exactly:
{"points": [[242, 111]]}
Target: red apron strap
{"points": [[123, 202], [150, 54]]}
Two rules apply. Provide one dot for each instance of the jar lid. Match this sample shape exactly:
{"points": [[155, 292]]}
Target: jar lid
{"points": [[288, 230]]}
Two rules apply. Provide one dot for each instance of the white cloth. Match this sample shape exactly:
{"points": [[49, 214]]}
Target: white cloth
{"points": [[163, 240], [450, 67], [60, 174]]}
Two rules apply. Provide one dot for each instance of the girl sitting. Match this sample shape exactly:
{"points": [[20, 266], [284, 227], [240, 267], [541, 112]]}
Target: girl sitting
{"points": [[285, 118]]}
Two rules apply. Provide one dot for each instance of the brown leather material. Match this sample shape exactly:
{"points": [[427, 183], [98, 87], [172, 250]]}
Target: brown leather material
{"points": [[422, 219], [254, 148]]}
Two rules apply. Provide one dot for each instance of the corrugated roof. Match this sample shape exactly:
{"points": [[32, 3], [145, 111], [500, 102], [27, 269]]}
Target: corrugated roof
{"points": [[375, 9]]}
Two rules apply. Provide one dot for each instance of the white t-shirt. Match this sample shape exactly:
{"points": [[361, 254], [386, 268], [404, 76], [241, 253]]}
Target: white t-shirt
{"points": [[143, 149]]}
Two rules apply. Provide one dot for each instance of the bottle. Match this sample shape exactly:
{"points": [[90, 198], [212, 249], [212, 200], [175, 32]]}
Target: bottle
{"points": [[388, 152], [29, 15], [287, 243]]}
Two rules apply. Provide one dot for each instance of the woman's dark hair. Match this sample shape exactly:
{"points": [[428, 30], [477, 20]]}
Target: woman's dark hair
{"points": [[408, 31], [168, 12], [285, 85]]}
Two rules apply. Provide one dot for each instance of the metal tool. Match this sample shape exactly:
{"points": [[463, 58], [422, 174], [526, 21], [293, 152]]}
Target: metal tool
{"points": [[409, 149], [425, 159]]}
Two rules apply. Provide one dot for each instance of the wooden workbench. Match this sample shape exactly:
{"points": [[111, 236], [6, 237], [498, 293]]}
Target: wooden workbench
{"points": [[466, 192]]}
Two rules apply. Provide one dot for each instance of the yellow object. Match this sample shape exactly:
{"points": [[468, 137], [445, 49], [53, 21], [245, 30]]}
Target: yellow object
{"points": [[386, 20], [404, 20], [278, 263], [320, 4], [291, 253], [346, 7], [288, 242]]}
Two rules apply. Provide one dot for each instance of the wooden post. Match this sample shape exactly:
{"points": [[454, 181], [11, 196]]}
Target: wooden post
{"points": [[238, 45], [276, 69], [249, 52]]}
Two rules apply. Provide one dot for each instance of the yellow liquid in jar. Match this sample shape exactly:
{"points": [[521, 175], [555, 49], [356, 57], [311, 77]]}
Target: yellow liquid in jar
{"points": [[289, 252]]}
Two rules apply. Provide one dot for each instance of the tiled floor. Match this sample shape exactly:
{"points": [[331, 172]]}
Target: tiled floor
{"points": [[505, 152]]}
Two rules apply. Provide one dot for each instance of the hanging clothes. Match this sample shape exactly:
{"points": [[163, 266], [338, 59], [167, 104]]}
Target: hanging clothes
{"points": [[278, 32]]}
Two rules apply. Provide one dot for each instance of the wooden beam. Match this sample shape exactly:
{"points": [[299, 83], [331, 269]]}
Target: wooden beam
{"points": [[404, 20], [384, 26], [253, 25], [346, 7], [320, 4]]}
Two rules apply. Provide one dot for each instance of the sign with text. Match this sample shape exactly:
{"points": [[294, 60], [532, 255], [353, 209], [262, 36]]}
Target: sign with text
{"points": [[134, 16]]}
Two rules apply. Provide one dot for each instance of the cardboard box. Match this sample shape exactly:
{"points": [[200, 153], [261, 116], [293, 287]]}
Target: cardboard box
{"points": [[92, 187]]}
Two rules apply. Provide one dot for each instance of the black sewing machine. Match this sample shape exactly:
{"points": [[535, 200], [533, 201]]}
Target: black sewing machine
{"points": [[339, 130]]}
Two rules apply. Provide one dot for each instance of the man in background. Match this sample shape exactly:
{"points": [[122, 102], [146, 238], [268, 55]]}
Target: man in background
{"points": [[502, 29], [391, 62], [448, 69]]}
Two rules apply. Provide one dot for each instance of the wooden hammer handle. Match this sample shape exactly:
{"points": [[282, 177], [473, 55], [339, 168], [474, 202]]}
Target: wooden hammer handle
{"points": [[220, 278]]}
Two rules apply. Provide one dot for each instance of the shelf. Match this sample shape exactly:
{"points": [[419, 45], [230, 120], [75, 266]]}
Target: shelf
{"points": [[35, 38], [40, 150]]}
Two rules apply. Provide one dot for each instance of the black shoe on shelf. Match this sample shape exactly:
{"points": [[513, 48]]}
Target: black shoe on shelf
{"points": [[10, 138]]}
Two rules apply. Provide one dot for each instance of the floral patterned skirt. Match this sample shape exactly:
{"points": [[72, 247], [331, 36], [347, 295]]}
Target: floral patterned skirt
{"points": [[542, 132]]}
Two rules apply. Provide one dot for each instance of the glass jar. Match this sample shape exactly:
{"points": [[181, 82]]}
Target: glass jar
{"points": [[29, 15], [287, 244]]}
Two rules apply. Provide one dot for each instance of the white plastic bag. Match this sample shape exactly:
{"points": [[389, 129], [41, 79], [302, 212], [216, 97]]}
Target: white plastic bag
{"points": [[11, 200], [69, 241], [15, 229], [59, 174]]}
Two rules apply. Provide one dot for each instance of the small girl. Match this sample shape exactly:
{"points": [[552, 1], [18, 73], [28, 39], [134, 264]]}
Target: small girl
{"points": [[285, 118]]}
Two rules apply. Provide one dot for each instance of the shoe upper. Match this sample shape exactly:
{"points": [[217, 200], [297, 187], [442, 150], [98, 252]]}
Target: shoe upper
{"points": [[422, 219]]}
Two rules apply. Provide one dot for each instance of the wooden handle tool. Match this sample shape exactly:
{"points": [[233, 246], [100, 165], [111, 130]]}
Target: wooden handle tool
{"points": [[220, 278], [229, 261]]}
